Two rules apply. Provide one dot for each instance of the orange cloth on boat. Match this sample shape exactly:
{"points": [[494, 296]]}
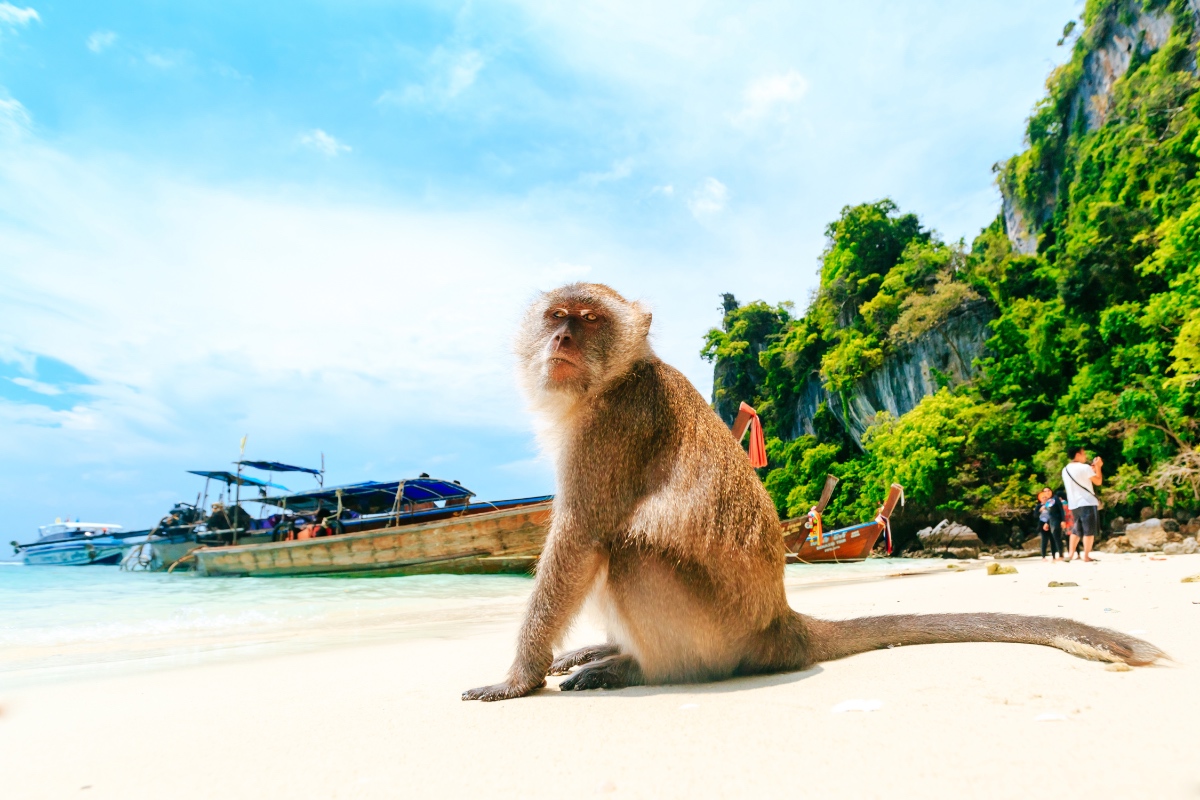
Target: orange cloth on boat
{"points": [[758, 445], [748, 417]]}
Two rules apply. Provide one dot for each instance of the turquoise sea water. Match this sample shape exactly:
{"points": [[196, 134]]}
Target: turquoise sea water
{"points": [[65, 622]]}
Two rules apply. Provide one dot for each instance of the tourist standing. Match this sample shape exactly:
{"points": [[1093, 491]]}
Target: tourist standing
{"points": [[1050, 515], [1080, 479]]}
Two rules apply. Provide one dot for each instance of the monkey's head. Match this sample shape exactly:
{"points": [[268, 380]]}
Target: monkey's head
{"points": [[577, 338]]}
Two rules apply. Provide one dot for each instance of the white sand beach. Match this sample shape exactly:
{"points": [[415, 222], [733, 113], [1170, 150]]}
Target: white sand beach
{"points": [[385, 720]]}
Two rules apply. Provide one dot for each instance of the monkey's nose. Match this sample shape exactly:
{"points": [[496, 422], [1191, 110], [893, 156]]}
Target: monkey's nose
{"points": [[562, 339]]}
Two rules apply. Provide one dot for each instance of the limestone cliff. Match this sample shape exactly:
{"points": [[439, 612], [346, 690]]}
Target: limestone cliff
{"points": [[942, 356], [1123, 30]]}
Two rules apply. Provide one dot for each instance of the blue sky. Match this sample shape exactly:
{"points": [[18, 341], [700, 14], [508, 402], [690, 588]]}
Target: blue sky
{"points": [[316, 223]]}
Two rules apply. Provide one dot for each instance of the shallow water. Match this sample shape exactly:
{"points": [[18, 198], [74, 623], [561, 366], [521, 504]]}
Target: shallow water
{"points": [[65, 622]]}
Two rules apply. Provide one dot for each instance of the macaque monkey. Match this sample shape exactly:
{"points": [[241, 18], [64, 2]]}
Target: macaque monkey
{"points": [[660, 518]]}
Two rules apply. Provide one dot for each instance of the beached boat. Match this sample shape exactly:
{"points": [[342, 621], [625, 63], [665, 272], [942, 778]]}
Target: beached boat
{"points": [[188, 526], [78, 544], [805, 537], [807, 542], [416, 526]]}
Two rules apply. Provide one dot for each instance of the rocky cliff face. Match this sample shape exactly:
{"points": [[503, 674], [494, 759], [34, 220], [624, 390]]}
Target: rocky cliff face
{"points": [[943, 356], [1126, 29], [1147, 32]]}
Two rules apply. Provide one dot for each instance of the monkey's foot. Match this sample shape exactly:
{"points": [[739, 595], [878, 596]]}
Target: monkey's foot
{"points": [[584, 655], [616, 672], [501, 691]]}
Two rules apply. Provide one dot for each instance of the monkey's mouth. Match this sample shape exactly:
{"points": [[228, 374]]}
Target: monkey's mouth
{"points": [[561, 367]]}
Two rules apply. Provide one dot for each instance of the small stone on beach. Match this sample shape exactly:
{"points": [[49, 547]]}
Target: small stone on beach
{"points": [[996, 568], [1191, 579], [1119, 666], [1061, 584]]}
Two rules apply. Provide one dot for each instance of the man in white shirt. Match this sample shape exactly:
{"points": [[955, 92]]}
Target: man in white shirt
{"points": [[1079, 477]]}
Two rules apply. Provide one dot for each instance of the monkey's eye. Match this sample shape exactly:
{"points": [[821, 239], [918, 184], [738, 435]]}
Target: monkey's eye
{"points": [[590, 317], [558, 313]]}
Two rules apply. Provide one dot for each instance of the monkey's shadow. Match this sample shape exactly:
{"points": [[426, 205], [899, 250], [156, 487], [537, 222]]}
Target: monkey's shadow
{"points": [[744, 683]]}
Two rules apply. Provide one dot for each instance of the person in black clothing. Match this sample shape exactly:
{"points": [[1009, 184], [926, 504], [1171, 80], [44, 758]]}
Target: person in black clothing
{"points": [[1050, 517]]}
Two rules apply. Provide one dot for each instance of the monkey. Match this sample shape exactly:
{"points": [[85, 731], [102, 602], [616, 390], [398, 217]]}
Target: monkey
{"points": [[660, 518]]}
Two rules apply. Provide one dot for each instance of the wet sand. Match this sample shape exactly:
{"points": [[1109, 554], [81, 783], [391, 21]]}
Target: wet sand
{"points": [[385, 720]]}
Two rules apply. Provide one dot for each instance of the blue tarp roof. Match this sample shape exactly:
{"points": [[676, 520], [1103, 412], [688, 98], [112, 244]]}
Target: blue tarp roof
{"points": [[230, 479], [371, 497], [275, 466]]}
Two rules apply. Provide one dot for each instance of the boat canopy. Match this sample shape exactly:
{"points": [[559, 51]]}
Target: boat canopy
{"points": [[230, 479], [275, 466], [81, 527], [372, 497]]}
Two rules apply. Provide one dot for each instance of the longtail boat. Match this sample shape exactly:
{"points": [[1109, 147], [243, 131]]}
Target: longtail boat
{"points": [[805, 537], [412, 527], [807, 542]]}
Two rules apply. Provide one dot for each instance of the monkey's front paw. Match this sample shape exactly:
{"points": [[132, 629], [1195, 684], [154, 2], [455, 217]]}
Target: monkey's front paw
{"points": [[584, 655], [501, 691]]}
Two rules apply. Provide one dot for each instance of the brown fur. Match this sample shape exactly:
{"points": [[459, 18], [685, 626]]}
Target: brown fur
{"points": [[660, 517]]}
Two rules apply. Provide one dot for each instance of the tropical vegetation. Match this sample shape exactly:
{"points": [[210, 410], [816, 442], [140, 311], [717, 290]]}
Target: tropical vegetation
{"points": [[1096, 333]]}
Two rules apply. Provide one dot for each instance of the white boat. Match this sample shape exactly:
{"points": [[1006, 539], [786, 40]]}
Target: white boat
{"points": [[78, 544]]}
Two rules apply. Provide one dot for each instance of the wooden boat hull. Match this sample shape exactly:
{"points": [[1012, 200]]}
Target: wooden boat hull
{"points": [[507, 540], [854, 543], [835, 546]]}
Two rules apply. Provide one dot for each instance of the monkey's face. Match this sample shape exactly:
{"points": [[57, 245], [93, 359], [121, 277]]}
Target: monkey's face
{"points": [[578, 337]]}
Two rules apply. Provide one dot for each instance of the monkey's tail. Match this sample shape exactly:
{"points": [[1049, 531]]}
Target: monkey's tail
{"points": [[831, 639]]}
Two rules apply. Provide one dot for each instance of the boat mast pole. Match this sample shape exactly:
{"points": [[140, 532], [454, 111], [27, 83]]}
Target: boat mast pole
{"points": [[238, 502]]}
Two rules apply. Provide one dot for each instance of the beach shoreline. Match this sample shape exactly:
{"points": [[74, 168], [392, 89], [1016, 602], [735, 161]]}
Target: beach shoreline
{"points": [[384, 719]]}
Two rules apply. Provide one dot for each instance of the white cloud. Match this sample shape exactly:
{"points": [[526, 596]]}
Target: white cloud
{"points": [[451, 73], [17, 16], [100, 41], [226, 71], [620, 171], [37, 386], [323, 143], [667, 190], [770, 96], [463, 72], [14, 118], [167, 59], [709, 198]]}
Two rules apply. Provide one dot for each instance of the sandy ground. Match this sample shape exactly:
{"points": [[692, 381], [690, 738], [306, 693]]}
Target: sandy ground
{"points": [[973, 720]]}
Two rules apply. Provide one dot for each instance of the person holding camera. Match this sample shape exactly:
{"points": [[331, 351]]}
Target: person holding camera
{"points": [[1080, 479]]}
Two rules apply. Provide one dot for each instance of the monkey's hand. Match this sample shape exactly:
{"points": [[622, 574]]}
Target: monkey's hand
{"points": [[503, 691]]}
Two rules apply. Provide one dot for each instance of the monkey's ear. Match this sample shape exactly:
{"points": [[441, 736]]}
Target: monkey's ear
{"points": [[644, 317]]}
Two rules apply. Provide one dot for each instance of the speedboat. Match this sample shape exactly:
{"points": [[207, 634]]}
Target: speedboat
{"points": [[78, 543]]}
